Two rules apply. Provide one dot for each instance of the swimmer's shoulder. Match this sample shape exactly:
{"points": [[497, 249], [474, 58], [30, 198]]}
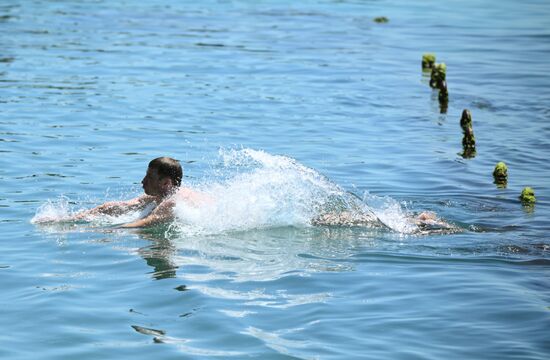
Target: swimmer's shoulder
{"points": [[192, 196]]}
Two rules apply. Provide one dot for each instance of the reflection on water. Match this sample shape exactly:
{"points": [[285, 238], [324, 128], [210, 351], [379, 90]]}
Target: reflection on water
{"points": [[256, 255], [159, 254]]}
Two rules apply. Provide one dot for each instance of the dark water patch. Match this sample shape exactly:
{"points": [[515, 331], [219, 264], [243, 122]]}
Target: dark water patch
{"points": [[209, 30], [61, 288], [58, 175], [37, 32], [5, 18], [210, 44], [463, 258], [288, 13], [57, 87]]}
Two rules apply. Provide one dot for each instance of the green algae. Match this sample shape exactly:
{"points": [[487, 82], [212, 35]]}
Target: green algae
{"points": [[500, 174], [527, 196], [428, 61], [468, 140], [438, 75]]}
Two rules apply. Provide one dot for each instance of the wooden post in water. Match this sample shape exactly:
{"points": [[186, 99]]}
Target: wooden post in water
{"points": [[439, 74], [527, 196], [468, 140], [443, 96], [500, 174]]}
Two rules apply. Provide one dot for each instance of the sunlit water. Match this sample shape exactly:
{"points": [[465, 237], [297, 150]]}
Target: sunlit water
{"points": [[278, 110]]}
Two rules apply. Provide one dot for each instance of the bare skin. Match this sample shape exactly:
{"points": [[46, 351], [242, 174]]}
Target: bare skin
{"points": [[160, 191], [426, 222]]}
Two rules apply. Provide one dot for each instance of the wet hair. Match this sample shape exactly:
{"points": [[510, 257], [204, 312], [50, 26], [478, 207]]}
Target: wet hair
{"points": [[167, 167]]}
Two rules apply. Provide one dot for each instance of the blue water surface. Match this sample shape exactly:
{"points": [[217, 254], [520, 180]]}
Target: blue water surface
{"points": [[272, 104]]}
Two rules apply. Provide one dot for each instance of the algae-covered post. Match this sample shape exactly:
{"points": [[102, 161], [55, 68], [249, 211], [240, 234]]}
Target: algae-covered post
{"points": [[527, 196], [439, 74], [468, 140], [443, 97], [428, 61], [500, 174]]}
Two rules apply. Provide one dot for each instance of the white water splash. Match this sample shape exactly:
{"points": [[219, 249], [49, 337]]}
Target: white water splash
{"points": [[61, 210], [260, 191], [52, 211], [392, 213]]}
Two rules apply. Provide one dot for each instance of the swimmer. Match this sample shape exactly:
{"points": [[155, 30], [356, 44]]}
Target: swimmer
{"points": [[163, 189]]}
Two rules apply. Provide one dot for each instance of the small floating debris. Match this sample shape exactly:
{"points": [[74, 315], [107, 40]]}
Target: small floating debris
{"points": [[527, 196], [428, 61], [148, 331], [181, 288], [439, 75], [500, 174], [468, 140], [137, 312], [381, 19]]}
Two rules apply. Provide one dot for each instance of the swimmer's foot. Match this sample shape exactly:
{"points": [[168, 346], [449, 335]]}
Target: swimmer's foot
{"points": [[429, 223]]}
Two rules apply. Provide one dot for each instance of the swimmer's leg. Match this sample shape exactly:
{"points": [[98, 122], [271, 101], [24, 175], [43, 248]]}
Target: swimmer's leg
{"points": [[347, 218]]}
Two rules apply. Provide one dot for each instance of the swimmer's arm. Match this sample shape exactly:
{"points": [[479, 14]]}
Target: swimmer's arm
{"points": [[116, 207], [163, 213]]}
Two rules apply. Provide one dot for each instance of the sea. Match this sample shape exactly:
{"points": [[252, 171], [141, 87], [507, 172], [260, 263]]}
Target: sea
{"points": [[277, 109]]}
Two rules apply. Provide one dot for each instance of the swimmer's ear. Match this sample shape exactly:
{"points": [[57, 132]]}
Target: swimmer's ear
{"points": [[166, 182]]}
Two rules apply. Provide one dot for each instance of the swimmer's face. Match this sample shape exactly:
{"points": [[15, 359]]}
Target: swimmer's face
{"points": [[154, 185]]}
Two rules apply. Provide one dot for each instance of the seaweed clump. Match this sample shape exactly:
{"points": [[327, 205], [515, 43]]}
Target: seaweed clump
{"points": [[468, 140], [381, 19], [527, 196], [500, 174], [428, 61]]}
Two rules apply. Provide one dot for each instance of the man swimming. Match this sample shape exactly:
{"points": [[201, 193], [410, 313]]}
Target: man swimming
{"points": [[162, 188]]}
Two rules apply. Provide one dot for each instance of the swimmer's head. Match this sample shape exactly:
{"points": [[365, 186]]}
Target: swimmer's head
{"points": [[163, 175]]}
